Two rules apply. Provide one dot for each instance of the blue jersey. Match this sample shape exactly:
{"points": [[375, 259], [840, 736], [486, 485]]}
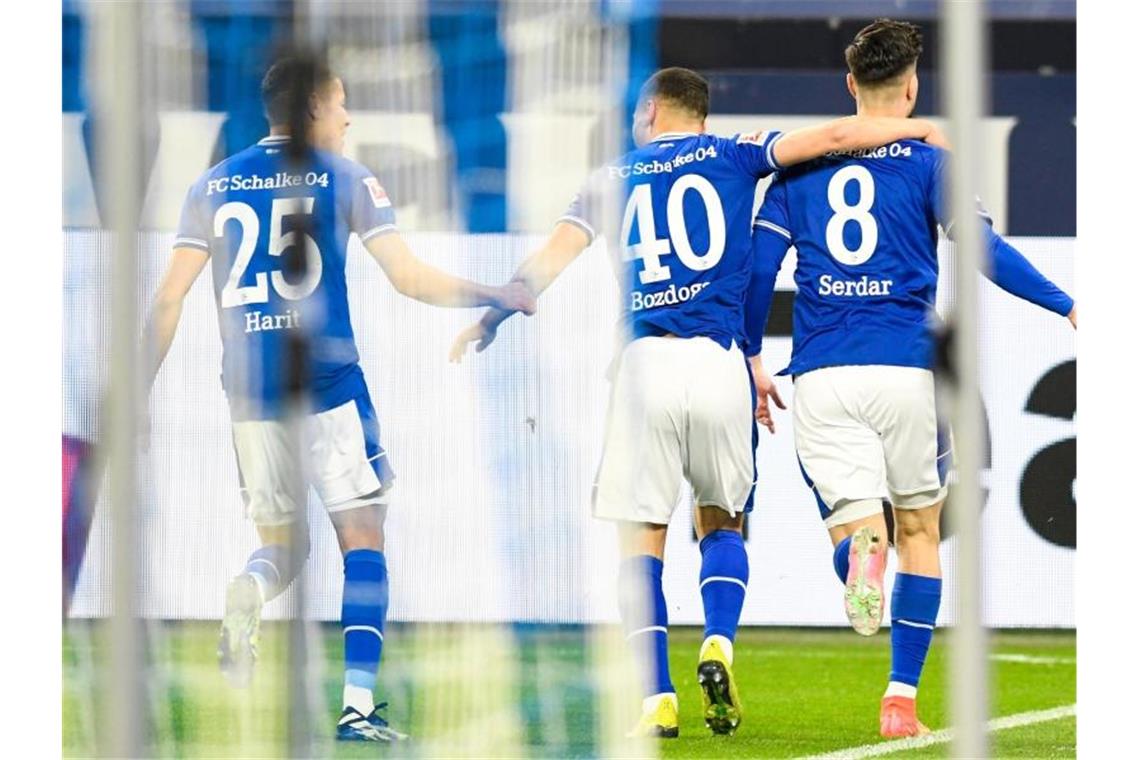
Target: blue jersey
{"points": [[683, 249], [247, 212], [865, 228]]}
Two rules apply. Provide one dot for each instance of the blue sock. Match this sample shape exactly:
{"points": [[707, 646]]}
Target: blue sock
{"points": [[914, 609], [842, 559], [724, 579], [362, 614], [274, 567], [645, 618]]}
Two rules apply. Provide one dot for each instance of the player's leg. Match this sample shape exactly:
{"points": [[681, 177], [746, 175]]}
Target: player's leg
{"points": [[364, 611], [915, 600], [721, 466], [637, 486], [350, 470], [724, 574], [723, 582], [645, 619], [273, 492], [917, 460], [841, 459]]}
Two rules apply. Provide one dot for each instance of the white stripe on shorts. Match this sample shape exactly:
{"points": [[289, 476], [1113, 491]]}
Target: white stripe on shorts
{"points": [[364, 628]]}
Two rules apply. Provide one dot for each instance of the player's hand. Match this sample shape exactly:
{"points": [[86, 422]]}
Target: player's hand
{"points": [[1073, 317], [515, 296], [765, 390], [937, 138], [476, 332]]}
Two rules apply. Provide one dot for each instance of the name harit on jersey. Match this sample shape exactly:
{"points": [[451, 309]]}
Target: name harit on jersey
{"points": [[671, 296]]}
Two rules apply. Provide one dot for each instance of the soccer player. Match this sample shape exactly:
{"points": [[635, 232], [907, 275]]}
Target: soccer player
{"points": [[865, 227], [242, 215], [681, 406]]}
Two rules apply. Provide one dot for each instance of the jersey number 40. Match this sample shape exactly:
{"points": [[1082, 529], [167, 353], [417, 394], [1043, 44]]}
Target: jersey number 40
{"points": [[234, 294], [651, 249]]}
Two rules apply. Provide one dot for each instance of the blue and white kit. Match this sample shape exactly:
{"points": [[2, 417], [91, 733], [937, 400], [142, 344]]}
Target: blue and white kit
{"points": [[865, 228], [681, 405], [247, 213]]}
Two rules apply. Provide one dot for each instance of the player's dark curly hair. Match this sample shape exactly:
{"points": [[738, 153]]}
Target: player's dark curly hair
{"points": [[292, 80], [883, 50], [682, 87]]}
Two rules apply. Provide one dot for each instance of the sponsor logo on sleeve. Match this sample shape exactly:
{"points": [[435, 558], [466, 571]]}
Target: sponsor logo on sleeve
{"points": [[379, 197], [756, 138]]}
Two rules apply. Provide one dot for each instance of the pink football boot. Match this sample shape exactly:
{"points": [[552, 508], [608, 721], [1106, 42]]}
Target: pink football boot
{"points": [[863, 595], [897, 718]]}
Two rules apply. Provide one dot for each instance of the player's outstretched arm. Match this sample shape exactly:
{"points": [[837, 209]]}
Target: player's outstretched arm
{"points": [[423, 282], [1013, 273], [852, 133], [162, 322], [536, 272]]}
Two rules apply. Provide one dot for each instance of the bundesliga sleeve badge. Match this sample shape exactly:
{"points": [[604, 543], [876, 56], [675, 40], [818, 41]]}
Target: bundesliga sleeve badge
{"points": [[756, 138], [379, 197]]}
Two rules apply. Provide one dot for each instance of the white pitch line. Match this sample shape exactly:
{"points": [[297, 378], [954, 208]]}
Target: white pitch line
{"points": [[1030, 659], [941, 737]]}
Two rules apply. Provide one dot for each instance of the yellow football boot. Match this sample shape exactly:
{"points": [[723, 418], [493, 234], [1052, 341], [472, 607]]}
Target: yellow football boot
{"points": [[722, 708], [660, 721]]}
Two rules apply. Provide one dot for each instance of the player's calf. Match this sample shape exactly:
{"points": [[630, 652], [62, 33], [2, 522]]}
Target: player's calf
{"points": [[274, 566], [641, 602]]}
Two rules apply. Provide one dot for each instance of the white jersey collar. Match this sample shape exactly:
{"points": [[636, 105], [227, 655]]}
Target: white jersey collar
{"points": [[673, 136]]}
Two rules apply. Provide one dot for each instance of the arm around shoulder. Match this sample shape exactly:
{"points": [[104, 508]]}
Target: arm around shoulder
{"points": [[851, 133]]}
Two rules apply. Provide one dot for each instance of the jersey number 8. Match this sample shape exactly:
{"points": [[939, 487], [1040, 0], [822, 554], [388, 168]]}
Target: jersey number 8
{"points": [[234, 294], [651, 249], [860, 213]]}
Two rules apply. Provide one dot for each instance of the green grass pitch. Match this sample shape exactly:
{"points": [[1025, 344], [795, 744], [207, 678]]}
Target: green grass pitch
{"points": [[805, 691]]}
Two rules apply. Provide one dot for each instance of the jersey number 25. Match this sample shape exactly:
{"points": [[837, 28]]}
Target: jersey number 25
{"points": [[234, 294]]}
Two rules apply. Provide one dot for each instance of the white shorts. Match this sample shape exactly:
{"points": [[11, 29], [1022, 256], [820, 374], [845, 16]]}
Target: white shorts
{"points": [[338, 453], [679, 408], [868, 433]]}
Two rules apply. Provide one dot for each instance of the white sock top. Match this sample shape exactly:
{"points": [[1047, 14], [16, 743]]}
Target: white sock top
{"points": [[725, 645], [896, 689], [649, 704], [359, 699]]}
